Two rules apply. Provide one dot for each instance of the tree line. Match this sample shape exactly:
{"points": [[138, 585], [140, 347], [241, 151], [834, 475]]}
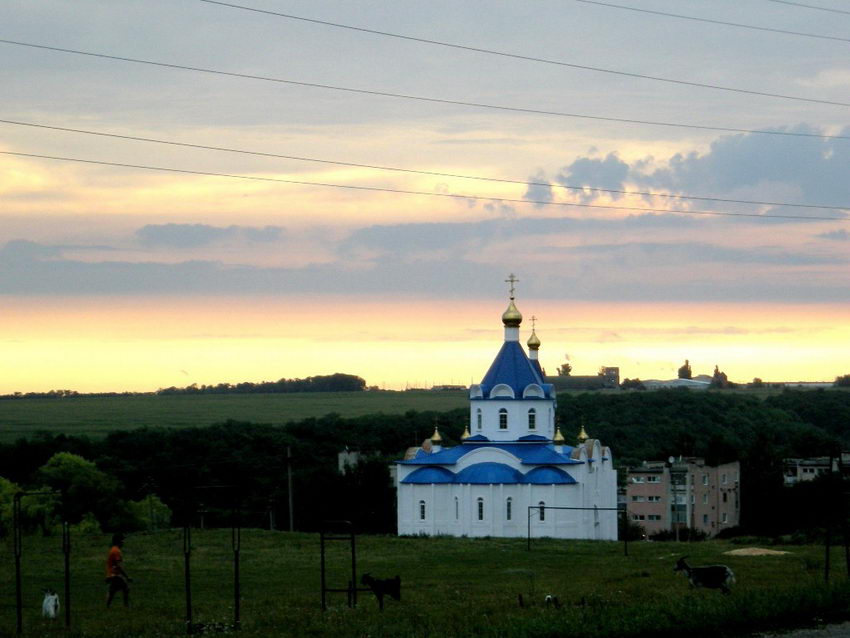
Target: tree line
{"points": [[126, 479], [337, 382]]}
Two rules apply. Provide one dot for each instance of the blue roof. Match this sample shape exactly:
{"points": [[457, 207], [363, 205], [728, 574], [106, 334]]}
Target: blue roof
{"points": [[489, 473], [513, 368], [477, 437], [529, 453], [548, 475], [430, 475], [532, 437]]}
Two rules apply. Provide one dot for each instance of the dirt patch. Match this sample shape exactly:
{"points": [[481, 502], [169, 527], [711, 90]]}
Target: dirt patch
{"points": [[754, 551]]}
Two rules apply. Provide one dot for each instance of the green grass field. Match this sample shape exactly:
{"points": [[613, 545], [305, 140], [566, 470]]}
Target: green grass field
{"points": [[96, 416], [450, 587]]}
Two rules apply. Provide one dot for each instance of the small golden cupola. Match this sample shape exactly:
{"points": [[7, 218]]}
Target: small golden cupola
{"points": [[533, 341], [436, 439], [465, 434], [559, 438], [582, 436]]}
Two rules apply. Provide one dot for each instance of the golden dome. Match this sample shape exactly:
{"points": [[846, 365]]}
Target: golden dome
{"points": [[533, 342], [512, 317], [559, 438], [436, 438], [465, 434], [582, 436]]}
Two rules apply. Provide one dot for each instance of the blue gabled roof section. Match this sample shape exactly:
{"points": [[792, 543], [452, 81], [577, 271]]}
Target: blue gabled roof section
{"points": [[489, 474], [536, 365], [548, 475], [532, 437], [511, 367], [528, 452], [430, 475], [476, 437]]}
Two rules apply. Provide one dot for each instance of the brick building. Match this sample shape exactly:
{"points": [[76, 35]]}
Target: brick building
{"points": [[684, 492]]}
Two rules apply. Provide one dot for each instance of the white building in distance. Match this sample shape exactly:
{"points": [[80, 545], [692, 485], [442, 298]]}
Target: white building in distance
{"points": [[513, 468]]}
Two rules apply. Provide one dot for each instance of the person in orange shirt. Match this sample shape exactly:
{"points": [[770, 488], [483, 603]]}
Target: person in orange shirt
{"points": [[116, 576]]}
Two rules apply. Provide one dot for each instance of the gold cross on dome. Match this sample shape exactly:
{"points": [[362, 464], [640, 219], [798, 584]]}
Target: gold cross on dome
{"points": [[533, 322], [511, 280]]}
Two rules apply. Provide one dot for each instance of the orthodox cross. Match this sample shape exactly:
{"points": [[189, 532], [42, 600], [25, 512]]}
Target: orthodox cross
{"points": [[511, 280], [533, 323]]}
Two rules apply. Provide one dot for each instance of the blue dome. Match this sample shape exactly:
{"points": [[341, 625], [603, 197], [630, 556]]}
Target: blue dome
{"points": [[488, 474], [430, 475], [548, 475]]}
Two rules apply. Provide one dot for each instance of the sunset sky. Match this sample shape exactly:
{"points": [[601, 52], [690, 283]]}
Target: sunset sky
{"points": [[128, 278]]}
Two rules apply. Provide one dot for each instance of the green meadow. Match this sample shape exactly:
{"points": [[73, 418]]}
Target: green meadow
{"points": [[96, 416], [450, 587]]}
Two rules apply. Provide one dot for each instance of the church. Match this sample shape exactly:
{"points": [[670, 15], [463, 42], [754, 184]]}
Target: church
{"points": [[513, 473]]}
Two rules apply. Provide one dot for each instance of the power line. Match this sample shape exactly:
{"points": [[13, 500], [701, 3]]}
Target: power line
{"points": [[711, 21], [528, 58], [298, 158], [378, 189], [810, 6], [430, 100]]}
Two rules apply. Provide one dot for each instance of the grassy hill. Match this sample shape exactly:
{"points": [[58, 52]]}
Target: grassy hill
{"points": [[450, 587], [96, 416]]}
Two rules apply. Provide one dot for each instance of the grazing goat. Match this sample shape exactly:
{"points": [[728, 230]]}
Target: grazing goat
{"points": [[710, 576], [50, 604], [382, 587]]}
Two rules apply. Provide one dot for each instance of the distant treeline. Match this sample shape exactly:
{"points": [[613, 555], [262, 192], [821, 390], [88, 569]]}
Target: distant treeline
{"points": [[337, 382], [252, 458]]}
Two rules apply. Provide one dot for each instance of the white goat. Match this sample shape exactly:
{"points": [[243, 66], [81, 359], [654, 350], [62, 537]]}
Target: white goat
{"points": [[50, 604], [710, 576]]}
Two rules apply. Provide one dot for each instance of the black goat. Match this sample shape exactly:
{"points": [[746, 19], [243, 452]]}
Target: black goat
{"points": [[710, 576], [383, 587]]}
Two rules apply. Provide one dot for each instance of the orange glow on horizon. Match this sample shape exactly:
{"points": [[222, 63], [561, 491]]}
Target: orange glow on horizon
{"points": [[143, 343]]}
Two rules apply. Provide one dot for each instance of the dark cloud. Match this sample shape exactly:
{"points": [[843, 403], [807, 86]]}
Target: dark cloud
{"points": [[836, 235], [589, 172], [401, 239], [539, 192], [697, 255], [400, 261], [22, 251], [815, 168], [193, 235]]}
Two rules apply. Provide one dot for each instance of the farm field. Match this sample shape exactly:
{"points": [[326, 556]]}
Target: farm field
{"points": [[450, 587], [96, 416]]}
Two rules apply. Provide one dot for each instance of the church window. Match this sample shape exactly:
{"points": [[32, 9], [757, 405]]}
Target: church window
{"points": [[478, 418], [503, 419], [542, 511], [532, 419], [457, 508], [421, 510], [508, 507], [480, 509]]}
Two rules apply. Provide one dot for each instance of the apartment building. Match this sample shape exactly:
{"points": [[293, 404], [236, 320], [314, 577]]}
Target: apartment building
{"points": [[684, 492]]}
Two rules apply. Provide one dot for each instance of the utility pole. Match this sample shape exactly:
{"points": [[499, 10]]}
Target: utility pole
{"points": [[289, 488]]}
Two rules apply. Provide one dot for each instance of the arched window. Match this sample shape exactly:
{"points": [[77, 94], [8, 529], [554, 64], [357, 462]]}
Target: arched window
{"points": [[532, 419], [457, 508], [478, 418], [480, 509], [503, 418], [421, 510], [542, 511], [508, 508]]}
